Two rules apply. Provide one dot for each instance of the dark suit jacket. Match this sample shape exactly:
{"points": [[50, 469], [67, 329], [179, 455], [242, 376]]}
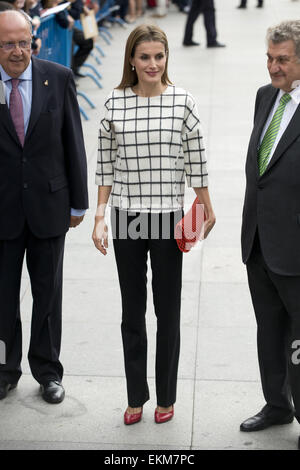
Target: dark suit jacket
{"points": [[272, 201], [40, 182]]}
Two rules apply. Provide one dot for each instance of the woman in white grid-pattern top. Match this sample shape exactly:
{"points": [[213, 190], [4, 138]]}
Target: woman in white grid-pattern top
{"points": [[147, 147], [150, 140]]}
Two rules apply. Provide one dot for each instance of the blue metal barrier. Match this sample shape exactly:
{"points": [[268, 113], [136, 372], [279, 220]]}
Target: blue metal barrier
{"points": [[57, 44], [57, 47], [105, 13], [56, 41]]}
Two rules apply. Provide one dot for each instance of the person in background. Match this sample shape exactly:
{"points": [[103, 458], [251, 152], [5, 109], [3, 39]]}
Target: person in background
{"points": [[123, 10], [135, 10], [66, 19], [183, 5], [33, 9], [85, 46], [208, 9], [6, 6], [91, 5], [17, 4], [161, 9], [243, 4], [63, 18], [150, 140]]}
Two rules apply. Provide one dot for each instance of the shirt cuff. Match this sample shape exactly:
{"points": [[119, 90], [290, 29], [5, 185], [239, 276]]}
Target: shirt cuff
{"points": [[77, 212]]}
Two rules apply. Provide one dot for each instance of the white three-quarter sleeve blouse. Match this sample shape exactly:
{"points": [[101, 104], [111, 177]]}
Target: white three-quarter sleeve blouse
{"points": [[147, 147]]}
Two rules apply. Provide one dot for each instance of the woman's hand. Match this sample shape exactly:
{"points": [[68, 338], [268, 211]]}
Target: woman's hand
{"points": [[100, 234], [203, 196], [209, 222]]}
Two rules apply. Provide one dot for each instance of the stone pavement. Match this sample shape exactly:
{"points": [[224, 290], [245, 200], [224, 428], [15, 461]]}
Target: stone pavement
{"points": [[218, 384]]}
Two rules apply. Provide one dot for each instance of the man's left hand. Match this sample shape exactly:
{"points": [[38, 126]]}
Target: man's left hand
{"points": [[75, 220]]}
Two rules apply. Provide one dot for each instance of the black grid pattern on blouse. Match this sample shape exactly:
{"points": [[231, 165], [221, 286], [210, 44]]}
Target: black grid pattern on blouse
{"points": [[146, 148]]}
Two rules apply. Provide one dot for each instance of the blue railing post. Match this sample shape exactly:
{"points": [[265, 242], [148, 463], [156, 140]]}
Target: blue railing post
{"points": [[56, 42]]}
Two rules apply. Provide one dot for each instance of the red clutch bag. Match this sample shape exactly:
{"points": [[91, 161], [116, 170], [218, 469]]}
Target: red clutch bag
{"points": [[190, 228]]}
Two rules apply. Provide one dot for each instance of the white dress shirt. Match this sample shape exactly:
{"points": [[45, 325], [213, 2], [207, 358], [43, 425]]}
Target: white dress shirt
{"points": [[288, 113], [25, 89]]}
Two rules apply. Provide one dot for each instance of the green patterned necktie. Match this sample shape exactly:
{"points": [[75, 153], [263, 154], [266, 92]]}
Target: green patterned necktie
{"points": [[271, 133]]}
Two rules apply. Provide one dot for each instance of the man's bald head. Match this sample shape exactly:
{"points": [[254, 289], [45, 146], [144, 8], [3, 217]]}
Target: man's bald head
{"points": [[15, 17], [15, 42]]}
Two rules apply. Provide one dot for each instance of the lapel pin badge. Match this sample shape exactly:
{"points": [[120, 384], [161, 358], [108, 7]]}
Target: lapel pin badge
{"points": [[46, 83]]}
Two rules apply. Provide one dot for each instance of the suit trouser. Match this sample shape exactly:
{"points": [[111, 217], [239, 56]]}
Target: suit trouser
{"points": [[207, 8], [166, 263], [44, 259], [276, 301]]}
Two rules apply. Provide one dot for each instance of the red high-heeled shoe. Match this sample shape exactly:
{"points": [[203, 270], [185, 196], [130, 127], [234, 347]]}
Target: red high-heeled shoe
{"points": [[163, 417], [132, 418]]}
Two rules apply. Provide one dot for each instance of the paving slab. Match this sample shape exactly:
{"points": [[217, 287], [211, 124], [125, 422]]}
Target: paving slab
{"points": [[81, 418], [220, 408], [232, 305]]}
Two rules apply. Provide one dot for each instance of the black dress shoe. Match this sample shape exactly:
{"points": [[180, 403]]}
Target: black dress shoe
{"points": [[53, 391], [191, 43], [5, 388], [264, 420], [216, 44], [242, 6]]}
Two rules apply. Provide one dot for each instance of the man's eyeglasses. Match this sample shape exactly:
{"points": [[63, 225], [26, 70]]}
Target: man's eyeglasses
{"points": [[10, 46]]}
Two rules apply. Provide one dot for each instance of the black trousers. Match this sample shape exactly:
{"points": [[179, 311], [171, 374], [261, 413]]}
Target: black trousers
{"points": [[166, 263], [84, 48], [244, 2], [44, 262], [207, 8], [276, 301]]}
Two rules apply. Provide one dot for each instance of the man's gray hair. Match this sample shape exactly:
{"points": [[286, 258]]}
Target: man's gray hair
{"points": [[19, 12], [285, 31]]}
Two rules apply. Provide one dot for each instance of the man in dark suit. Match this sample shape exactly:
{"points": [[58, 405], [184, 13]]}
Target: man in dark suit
{"points": [[43, 192], [271, 229], [206, 7]]}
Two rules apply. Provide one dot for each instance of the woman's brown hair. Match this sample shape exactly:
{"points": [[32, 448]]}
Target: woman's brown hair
{"points": [[141, 34]]}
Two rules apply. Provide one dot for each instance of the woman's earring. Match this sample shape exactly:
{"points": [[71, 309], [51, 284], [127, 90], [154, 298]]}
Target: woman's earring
{"points": [[132, 68]]}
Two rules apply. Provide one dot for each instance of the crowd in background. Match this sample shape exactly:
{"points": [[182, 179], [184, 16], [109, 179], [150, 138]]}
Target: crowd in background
{"points": [[128, 11]]}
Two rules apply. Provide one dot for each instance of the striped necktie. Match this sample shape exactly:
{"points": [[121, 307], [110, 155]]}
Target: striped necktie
{"points": [[271, 133], [16, 109]]}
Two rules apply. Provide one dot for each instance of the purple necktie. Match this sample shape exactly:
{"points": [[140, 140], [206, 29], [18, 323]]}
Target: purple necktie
{"points": [[16, 109]]}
